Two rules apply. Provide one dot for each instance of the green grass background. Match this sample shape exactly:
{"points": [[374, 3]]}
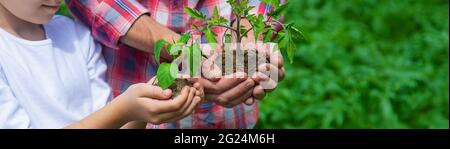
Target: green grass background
{"points": [[370, 64]]}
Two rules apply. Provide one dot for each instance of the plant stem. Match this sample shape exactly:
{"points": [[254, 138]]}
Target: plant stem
{"points": [[228, 27], [238, 21], [238, 33], [277, 22], [238, 28], [245, 33]]}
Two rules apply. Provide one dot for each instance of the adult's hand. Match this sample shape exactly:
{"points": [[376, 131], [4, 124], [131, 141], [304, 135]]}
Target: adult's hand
{"points": [[228, 92], [265, 84], [145, 31]]}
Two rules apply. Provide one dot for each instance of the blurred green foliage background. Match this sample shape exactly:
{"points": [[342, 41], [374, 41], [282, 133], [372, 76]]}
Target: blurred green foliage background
{"points": [[370, 64]]}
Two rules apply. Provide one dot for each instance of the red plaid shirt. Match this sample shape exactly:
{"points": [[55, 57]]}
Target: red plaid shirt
{"points": [[111, 19]]}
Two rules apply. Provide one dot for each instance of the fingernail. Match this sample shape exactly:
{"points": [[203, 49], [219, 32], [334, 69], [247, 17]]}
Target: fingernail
{"points": [[197, 99], [255, 75], [249, 83], [263, 77], [186, 88], [167, 92]]}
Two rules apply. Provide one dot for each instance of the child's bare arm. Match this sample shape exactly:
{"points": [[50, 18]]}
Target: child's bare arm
{"points": [[138, 103], [134, 125]]}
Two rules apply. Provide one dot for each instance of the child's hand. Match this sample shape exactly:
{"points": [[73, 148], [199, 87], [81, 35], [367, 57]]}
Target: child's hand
{"points": [[199, 88], [145, 102]]}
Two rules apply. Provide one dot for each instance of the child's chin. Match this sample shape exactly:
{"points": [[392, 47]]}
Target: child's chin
{"points": [[43, 20]]}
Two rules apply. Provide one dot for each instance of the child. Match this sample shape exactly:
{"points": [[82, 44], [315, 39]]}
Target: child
{"points": [[51, 76]]}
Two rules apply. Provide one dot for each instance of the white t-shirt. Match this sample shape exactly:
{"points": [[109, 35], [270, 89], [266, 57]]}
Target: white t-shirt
{"points": [[54, 82]]}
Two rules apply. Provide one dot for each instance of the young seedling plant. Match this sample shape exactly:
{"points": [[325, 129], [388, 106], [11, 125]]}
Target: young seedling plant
{"points": [[262, 28]]}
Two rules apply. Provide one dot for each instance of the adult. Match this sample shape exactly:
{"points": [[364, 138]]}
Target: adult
{"points": [[128, 30]]}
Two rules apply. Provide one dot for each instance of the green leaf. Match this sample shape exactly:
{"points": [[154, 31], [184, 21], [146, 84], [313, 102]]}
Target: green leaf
{"points": [[268, 35], [157, 49], [196, 27], [243, 30], [251, 18], [216, 13], [271, 2], [258, 24], [261, 18], [282, 40], [278, 11], [184, 38], [217, 20], [223, 21], [169, 47], [166, 74], [289, 42], [297, 33], [291, 48], [280, 36], [227, 38], [194, 13], [247, 10], [175, 49], [238, 9], [211, 37]]}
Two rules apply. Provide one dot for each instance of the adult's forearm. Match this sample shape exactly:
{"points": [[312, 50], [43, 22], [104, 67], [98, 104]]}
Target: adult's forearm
{"points": [[145, 31]]}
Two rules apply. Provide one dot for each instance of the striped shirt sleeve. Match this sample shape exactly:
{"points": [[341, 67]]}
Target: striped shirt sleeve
{"points": [[108, 20]]}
